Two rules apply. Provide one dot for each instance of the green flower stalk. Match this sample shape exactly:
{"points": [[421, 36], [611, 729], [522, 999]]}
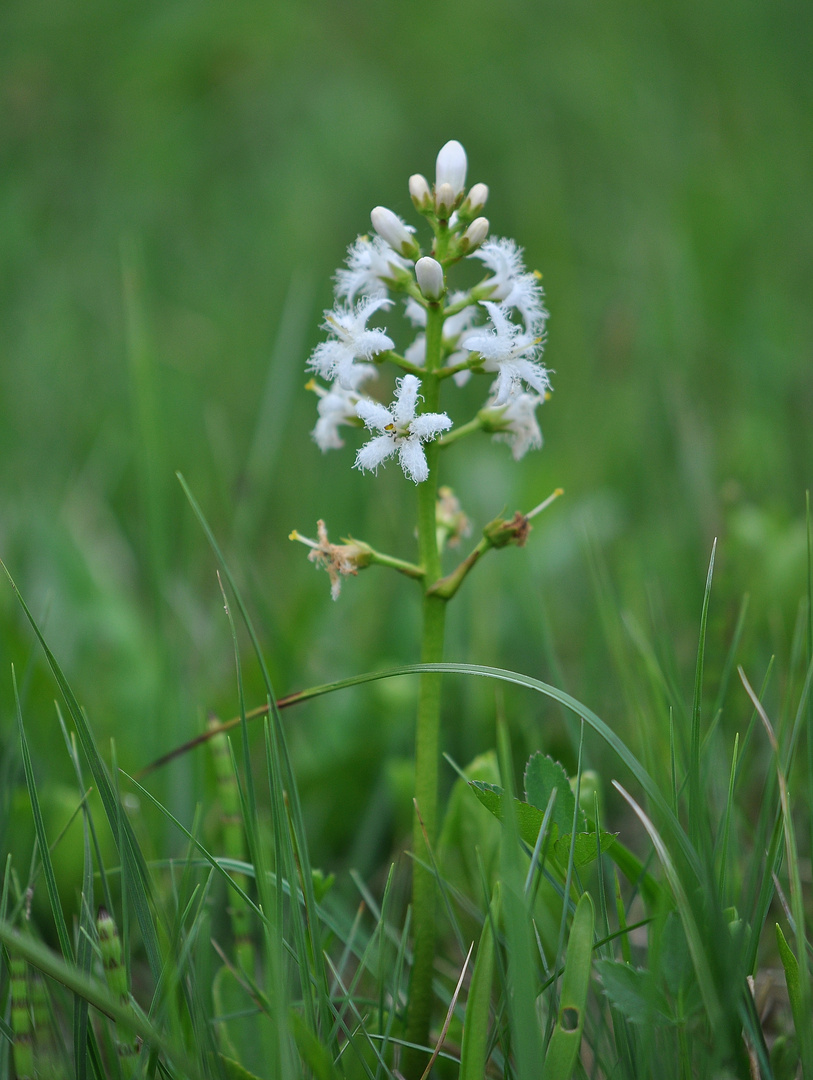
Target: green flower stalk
{"points": [[234, 845], [495, 328]]}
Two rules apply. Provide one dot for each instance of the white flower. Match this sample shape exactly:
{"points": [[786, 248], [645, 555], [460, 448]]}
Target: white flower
{"points": [[511, 284], [401, 430], [517, 423], [352, 341], [509, 352], [370, 260], [337, 406]]}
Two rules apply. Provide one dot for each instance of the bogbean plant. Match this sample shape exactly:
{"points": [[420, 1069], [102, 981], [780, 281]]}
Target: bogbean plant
{"points": [[494, 329], [575, 971]]}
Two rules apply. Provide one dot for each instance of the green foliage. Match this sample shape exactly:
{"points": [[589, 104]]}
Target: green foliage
{"points": [[175, 182], [543, 778]]}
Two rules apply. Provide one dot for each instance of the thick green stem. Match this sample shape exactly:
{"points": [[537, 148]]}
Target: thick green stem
{"points": [[427, 732]]}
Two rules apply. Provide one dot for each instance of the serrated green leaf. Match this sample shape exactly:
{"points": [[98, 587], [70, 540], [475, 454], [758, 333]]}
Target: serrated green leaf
{"points": [[529, 821], [544, 775], [584, 849], [529, 818], [633, 992]]}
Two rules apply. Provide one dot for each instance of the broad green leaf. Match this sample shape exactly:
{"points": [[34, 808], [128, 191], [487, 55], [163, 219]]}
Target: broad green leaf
{"points": [[543, 775], [529, 818], [633, 992], [584, 849], [529, 821]]}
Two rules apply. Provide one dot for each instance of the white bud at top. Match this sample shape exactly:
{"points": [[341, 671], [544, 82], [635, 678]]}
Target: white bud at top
{"points": [[476, 199], [430, 277], [476, 233], [451, 167], [419, 190], [390, 228]]}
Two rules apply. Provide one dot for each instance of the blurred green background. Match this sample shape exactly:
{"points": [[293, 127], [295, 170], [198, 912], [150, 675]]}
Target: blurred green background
{"points": [[179, 182]]}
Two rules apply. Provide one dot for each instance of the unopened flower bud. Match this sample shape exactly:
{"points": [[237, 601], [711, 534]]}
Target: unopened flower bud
{"points": [[499, 532], [451, 168], [419, 190], [429, 273], [475, 200], [444, 200], [390, 228], [474, 236]]}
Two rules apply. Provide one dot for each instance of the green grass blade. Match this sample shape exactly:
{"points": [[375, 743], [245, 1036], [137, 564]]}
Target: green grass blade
{"points": [[130, 852], [65, 942], [695, 815], [280, 750], [705, 979], [721, 887], [793, 980], [560, 1059], [474, 1048]]}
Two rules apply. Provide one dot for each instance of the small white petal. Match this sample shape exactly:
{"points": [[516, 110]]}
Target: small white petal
{"points": [[371, 342], [406, 399], [374, 415], [534, 375], [428, 425], [413, 460], [371, 455]]}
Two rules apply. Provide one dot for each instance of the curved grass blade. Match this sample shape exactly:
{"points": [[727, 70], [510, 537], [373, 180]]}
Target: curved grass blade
{"points": [[695, 817], [704, 976], [602, 729]]}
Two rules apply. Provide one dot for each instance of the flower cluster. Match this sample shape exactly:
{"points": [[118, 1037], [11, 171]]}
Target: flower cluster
{"points": [[495, 328]]}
